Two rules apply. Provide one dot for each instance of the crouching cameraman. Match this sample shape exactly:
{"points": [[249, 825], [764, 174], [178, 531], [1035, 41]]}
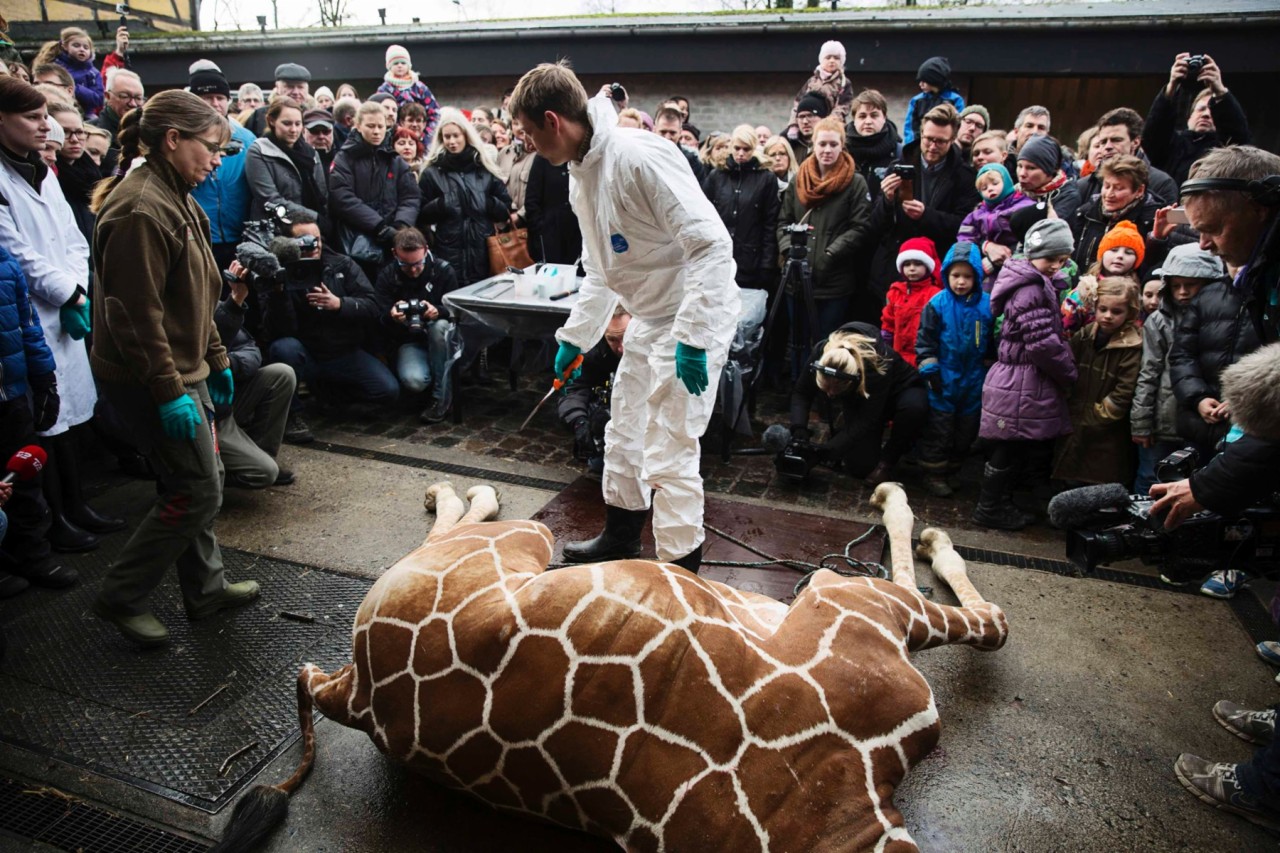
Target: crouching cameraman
{"points": [[317, 322], [410, 295], [584, 408], [1244, 474], [856, 369]]}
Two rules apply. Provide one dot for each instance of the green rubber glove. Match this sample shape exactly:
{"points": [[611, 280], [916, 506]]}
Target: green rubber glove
{"points": [[75, 319], [179, 418], [691, 368], [221, 387], [564, 357]]}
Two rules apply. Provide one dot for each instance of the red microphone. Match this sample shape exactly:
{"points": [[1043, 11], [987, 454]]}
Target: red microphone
{"points": [[25, 464]]}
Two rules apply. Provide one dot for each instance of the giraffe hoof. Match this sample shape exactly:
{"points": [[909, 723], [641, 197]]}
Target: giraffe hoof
{"points": [[884, 493], [430, 500], [932, 540]]}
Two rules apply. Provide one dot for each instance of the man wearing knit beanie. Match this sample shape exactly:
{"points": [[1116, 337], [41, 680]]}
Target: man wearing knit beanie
{"points": [[224, 195], [809, 110], [974, 121]]}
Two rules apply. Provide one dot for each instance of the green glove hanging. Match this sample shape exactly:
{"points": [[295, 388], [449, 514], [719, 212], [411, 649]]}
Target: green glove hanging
{"points": [[179, 418], [75, 319], [221, 387], [691, 368], [564, 357]]}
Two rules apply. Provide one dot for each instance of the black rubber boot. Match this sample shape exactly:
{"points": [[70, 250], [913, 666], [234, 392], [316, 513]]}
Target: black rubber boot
{"points": [[620, 539], [691, 561], [64, 534], [77, 510], [992, 510]]}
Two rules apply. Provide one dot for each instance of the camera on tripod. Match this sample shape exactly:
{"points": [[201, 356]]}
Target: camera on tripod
{"points": [[1107, 526], [415, 312], [799, 248]]}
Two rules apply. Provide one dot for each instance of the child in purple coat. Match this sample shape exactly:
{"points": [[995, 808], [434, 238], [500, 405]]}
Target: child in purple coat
{"points": [[401, 82], [1024, 397], [75, 53], [988, 223]]}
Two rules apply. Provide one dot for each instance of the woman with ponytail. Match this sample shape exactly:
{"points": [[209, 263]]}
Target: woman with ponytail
{"points": [[872, 386], [831, 197], [158, 358], [283, 169]]}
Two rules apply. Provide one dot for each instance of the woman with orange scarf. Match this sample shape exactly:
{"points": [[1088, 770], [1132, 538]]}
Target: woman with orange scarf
{"points": [[830, 196]]}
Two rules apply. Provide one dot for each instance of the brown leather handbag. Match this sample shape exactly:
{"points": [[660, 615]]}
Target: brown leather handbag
{"points": [[508, 248]]}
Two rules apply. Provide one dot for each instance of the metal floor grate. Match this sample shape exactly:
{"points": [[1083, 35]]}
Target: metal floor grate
{"points": [[41, 814], [442, 467], [166, 720]]}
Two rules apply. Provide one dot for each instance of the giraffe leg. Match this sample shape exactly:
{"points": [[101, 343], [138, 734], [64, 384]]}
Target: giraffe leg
{"points": [[898, 521], [935, 546], [976, 621], [448, 508], [484, 504]]}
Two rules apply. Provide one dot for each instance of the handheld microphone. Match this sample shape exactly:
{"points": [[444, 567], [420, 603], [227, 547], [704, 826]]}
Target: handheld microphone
{"points": [[776, 438], [25, 464], [1077, 507]]}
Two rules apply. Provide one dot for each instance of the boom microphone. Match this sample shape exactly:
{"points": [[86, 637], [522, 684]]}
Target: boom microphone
{"points": [[776, 438], [25, 464], [1077, 507]]}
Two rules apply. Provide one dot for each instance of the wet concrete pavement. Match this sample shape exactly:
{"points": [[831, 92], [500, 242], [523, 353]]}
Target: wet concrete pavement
{"points": [[1063, 740]]}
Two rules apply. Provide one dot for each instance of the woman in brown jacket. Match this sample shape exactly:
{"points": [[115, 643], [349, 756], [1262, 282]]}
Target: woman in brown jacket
{"points": [[158, 359], [1108, 355]]}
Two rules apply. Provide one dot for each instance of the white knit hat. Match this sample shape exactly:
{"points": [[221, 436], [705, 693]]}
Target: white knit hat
{"points": [[396, 52], [56, 133], [323, 92], [829, 48]]}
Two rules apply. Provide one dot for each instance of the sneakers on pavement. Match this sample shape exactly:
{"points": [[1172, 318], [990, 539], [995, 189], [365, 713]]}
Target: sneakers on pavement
{"points": [[1216, 784], [1253, 726], [296, 431], [1269, 651], [1224, 583]]}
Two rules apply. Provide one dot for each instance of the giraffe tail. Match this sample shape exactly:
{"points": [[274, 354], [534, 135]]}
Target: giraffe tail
{"points": [[264, 808]]}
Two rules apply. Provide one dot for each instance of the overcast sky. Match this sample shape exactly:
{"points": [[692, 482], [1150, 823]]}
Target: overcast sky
{"points": [[227, 14]]}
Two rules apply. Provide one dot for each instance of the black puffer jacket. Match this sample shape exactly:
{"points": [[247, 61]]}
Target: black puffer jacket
{"points": [[873, 152], [436, 279], [462, 199], [554, 234], [1216, 330], [370, 188], [864, 417], [326, 334], [746, 197], [1090, 223]]}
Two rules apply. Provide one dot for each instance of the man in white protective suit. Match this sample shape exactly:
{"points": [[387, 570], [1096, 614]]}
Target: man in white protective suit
{"points": [[651, 239]]}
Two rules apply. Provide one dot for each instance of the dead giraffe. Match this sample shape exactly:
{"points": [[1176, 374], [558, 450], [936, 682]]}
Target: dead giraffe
{"points": [[640, 702]]}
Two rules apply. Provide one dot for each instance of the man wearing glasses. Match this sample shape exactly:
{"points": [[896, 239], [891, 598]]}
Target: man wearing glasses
{"points": [[318, 126], [418, 333], [124, 93], [224, 195], [931, 203]]}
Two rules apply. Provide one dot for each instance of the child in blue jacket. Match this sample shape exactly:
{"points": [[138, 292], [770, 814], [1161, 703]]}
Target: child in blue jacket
{"points": [[934, 78], [953, 349]]}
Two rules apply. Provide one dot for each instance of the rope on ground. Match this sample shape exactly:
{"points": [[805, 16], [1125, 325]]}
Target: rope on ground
{"points": [[853, 567]]}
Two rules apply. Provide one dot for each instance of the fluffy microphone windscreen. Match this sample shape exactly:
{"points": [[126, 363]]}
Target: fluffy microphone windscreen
{"points": [[776, 438], [1075, 507]]}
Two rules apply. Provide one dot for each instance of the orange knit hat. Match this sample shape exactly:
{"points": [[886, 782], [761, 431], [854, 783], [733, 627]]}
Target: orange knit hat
{"points": [[1125, 234]]}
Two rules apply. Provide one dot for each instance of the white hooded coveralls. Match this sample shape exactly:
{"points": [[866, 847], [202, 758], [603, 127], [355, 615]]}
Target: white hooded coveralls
{"points": [[651, 238]]}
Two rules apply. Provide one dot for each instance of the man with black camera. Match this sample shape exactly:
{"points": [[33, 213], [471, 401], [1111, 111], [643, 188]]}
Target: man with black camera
{"points": [[926, 193], [1244, 474], [317, 319], [1216, 118], [410, 295]]}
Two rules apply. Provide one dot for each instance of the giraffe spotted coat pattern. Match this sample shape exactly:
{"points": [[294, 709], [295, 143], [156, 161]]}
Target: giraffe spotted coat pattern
{"points": [[640, 702]]}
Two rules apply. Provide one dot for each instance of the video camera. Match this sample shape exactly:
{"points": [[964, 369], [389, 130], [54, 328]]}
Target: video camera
{"points": [[793, 457], [278, 261], [799, 240], [1105, 524], [414, 311]]}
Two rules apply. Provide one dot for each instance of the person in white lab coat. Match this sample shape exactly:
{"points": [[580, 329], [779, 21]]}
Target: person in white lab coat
{"points": [[38, 228], [651, 239]]}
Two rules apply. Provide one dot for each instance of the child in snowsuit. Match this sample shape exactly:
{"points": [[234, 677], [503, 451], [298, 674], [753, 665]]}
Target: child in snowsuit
{"points": [[988, 223], [1108, 355], [900, 319], [401, 82], [934, 78], [75, 53], [1120, 253], [954, 346]]}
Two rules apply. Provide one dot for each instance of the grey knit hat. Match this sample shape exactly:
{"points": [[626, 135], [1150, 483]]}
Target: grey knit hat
{"points": [[980, 110], [1043, 153], [1190, 261], [1048, 238]]}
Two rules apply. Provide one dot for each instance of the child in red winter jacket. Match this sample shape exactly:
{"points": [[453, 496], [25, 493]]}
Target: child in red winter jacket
{"points": [[900, 320]]}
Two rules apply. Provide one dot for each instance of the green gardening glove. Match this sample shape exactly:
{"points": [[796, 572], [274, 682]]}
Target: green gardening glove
{"points": [[564, 358], [75, 319], [221, 386], [691, 368], [179, 417]]}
